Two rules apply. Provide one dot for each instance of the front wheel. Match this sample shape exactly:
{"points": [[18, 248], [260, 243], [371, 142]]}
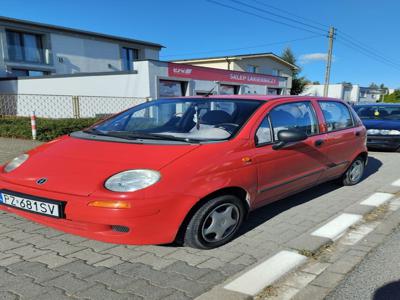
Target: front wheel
{"points": [[215, 222], [354, 173]]}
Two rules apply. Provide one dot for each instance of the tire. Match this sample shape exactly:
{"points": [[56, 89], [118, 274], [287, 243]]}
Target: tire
{"points": [[225, 212], [354, 173]]}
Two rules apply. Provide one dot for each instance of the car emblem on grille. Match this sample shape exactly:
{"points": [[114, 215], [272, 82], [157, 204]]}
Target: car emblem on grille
{"points": [[41, 180]]}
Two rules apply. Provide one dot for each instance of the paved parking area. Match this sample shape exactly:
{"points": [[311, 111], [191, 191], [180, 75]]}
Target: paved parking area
{"points": [[38, 262]]}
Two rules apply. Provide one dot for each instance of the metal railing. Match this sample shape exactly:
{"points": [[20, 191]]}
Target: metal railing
{"points": [[64, 106]]}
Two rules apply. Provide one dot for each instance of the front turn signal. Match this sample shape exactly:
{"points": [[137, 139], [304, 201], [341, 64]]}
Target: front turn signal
{"points": [[110, 204]]}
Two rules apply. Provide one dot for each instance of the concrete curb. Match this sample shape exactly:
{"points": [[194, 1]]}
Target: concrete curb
{"points": [[306, 243]]}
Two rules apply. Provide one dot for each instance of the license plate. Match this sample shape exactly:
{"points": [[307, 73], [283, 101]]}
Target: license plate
{"points": [[43, 207]]}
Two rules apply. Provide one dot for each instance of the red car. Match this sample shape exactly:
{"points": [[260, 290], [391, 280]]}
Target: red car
{"points": [[184, 169]]}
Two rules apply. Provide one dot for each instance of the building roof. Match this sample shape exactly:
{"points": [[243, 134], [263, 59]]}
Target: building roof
{"points": [[77, 31], [237, 57]]}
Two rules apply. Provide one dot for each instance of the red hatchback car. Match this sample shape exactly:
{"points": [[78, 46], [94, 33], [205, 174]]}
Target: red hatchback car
{"points": [[184, 169]]}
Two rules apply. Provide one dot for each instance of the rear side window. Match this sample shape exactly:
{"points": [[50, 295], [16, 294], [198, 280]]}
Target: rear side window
{"points": [[297, 115], [337, 115]]}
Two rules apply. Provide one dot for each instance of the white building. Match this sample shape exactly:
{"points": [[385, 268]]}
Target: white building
{"points": [[36, 49], [258, 63], [110, 92], [345, 91]]}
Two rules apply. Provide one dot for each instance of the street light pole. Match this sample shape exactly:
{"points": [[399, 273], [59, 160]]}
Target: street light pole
{"points": [[329, 60]]}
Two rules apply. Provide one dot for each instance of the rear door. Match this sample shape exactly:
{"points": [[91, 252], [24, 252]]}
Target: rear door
{"points": [[342, 138], [295, 167]]}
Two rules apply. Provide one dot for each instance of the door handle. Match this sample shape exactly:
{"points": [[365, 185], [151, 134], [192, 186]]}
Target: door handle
{"points": [[319, 143], [358, 133]]}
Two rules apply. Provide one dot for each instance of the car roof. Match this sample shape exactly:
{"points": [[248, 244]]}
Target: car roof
{"points": [[378, 104], [263, 97]]}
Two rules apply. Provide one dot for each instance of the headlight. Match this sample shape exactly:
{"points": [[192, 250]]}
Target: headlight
{"points": [[132, 180], [15, 163], [373, 131], [393, 132], [383, 132]]}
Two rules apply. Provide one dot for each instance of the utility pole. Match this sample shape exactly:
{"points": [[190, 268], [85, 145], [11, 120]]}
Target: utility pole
{"points": [[331, 36]]}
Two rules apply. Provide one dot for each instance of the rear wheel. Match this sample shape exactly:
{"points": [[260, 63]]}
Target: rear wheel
{"points": [[354, 173], [215, 222]]}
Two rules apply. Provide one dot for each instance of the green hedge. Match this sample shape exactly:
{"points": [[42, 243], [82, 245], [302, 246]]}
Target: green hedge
{"points": [[47, 129]]}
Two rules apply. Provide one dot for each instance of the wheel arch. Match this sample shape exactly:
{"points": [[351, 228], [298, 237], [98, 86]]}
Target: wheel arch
{"points": [[240, 192], [364, 156]]}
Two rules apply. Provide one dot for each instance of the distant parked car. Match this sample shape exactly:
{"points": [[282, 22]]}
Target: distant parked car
{"points": [[185, 169], [383, 125]]}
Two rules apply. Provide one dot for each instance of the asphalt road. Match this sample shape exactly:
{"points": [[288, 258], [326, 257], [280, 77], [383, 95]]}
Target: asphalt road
{"points": [[377, 277]]}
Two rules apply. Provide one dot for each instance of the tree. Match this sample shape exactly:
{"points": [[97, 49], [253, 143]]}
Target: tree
{"points": [[316, 82], [374, 86], [298, 83], [393, 97]]}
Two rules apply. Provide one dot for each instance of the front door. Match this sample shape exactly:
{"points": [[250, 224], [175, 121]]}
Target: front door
{"points": [[295, 167]]}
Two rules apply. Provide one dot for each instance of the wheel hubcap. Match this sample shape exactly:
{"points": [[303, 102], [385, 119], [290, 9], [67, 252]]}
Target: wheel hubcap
{"points": [[220, 222], [356, 171]]}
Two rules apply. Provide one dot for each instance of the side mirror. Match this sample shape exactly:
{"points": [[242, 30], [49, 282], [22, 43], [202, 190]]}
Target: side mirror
{"points": [[289, 136]]}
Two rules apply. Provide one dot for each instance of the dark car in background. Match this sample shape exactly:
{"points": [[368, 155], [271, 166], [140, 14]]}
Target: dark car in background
{"points": [[382, 121]]}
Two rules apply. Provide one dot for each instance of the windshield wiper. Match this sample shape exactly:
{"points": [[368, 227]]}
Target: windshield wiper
{"points": [[133, 135], [95, 132]]}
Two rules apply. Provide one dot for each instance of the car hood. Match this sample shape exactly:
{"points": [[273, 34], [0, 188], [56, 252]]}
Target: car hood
{"points": [[80, 167], [381, 124]]}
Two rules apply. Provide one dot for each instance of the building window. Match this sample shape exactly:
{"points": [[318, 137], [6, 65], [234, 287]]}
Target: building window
{"points": [[26, 72], [272, 91], [252, 69], [276, 72], [23, 46], [129, 55], [171, 88], [225, 89]]}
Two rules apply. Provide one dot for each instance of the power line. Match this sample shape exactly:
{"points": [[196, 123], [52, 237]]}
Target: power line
{"points": [[345, 43], [277, 15], [291, 14], [373, 53], [260, 16], [354, 40], [244, 48]]}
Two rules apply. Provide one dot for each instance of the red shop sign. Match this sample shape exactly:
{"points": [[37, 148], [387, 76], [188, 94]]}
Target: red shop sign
{"points": [[202, 73]]}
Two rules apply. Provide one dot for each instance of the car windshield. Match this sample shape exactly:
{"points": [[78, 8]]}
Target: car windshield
{"points": [[379, 112], [180, 119]]}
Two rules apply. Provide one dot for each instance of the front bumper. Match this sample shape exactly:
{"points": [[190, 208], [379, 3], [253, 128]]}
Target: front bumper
{"points": [[384, 142], [155, 223]]}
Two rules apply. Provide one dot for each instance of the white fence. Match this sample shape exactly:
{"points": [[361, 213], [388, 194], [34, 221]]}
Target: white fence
{"points": [[64, 106]]}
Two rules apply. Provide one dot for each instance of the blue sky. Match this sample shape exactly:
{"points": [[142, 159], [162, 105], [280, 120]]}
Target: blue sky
{"points": [[197, 28]]}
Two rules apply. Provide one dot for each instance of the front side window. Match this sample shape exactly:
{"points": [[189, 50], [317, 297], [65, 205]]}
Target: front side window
{"points": [[298, 115], [129, 55], [195, 119], [263, 134], [337, 115]]}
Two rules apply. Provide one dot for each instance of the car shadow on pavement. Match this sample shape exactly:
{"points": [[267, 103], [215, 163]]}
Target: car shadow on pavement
{"points": [[269, 211], [388, 291]]}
